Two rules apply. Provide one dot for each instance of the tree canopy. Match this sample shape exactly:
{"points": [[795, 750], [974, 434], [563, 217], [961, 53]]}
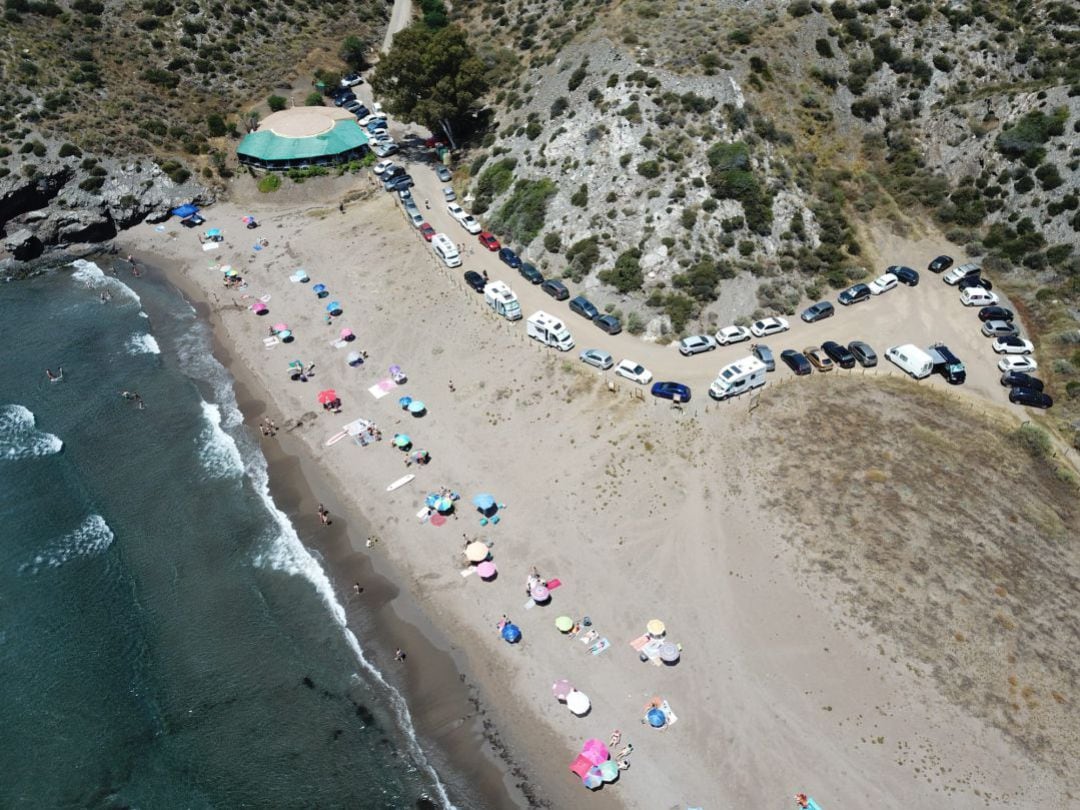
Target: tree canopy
{"points": [[431, 77]]}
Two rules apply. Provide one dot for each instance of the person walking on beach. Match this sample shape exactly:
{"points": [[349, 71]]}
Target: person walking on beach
{"points": [[324, 515], [399, 655]]}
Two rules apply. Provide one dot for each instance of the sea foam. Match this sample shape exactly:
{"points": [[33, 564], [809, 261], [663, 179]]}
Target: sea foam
{"points": [[19, 438], [94, 278], [92, 537], [218, 452], [143, 343]]}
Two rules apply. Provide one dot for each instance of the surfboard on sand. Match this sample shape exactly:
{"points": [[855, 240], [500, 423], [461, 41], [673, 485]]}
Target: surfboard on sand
{"points": [[337, 437], [400, 482]]}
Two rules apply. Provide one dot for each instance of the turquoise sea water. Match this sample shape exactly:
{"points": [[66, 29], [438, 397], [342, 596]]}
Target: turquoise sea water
{"points": [[165, 638]]}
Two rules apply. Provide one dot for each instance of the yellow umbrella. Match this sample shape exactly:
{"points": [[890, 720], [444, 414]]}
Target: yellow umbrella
{"points": [[476, 552], [564, 623], [655, 627]]}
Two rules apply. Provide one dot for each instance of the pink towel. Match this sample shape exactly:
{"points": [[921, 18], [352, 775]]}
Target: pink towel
{"points": [[640, 642], [553, 584]]}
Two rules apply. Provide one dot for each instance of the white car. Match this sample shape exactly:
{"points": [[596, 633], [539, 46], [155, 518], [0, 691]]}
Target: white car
{"points": [[470, 223], [634, 371], [351, 80], [978, 297], [416, 218], [695, 344], [1017, 363], [769, 326], [883, 283], [1013, 345], [732, 334], [456, 211], [382, 166]]}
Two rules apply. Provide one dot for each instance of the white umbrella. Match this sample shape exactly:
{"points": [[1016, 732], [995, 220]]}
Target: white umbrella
{"points": [[577, 702]]}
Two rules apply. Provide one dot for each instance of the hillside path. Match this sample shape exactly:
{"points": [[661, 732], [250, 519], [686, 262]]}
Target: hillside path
{"points": [[399, 18]]}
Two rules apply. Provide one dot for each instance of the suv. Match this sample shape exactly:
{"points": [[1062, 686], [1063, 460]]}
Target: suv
{"points": [[584, 308], [947, 364], [975, 281], [764, 354], [839, 354], [995, 314], [818, 312], [695, 344], [556, 289], [609, 324], [854, 294]]}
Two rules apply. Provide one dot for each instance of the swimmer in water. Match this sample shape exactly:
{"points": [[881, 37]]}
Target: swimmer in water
{"points": [[55, 377]]}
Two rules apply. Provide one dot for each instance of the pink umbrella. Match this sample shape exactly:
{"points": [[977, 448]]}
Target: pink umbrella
{"points": [[540, 593], [486, 569], [595, 751], [561, 688], [281, 327], [258, 307], [347, 334], [437, 520]]}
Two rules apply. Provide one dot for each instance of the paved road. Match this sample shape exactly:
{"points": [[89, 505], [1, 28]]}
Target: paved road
{"points": [[399, 18]]}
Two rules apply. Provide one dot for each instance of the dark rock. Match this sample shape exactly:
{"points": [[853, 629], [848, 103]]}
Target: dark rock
{"points": [[23, 244]]}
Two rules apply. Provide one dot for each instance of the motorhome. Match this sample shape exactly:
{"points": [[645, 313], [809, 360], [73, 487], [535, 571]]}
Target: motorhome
{"points": [[550, 331], [911, 359], [502, 300], [735, 378], [446, 250]]}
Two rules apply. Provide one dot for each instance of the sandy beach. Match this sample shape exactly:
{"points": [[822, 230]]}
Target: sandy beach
{"points": [[642, 512]]}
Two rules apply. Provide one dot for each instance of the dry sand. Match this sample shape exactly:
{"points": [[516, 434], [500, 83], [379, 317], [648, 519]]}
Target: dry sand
{"points": [[641, 510]]}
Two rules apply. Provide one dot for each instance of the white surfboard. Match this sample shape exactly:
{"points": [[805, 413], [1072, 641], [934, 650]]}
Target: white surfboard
{"points": [[337, 437], [400, 482]]}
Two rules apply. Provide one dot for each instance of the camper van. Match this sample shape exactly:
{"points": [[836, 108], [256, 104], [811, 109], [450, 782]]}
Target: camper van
{"points": [[737, 377], [550, 331], [947, 364], [502, 299], [911, 359], [446, 250]]}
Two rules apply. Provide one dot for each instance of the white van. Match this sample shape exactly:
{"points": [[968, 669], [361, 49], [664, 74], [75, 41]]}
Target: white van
{"points": [[550, 331], [446, 250], [977, 297], [912, 359], [502, 300], [738, 377]]}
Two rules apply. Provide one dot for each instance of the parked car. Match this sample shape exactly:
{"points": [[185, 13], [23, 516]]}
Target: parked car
{"points": [[977, 297], [940, 264], [1030, 397], [443, 174], [361, 112], [342, 99], [975, 281], [864, 355], [427, 232], [456, 211], [475, 280], [375, 123], [556, 289], [583, 307], [489, 241], [509, 258], [351, 79], [405, 195], [1013, 345], [353, 105], [769, 326], [882, 284], [671, 390], [818, 312], [530, 273], [818, 358], [947, 364], [1015, 362], [696, 344], [838, 353], [1000, 329], [634, 371], [609, 324], [1019, 378], [384, 149], [416, 218], [448, 194], [796, 361], [957, 274], [399, 182], [732, 334], [995, 314], [595, 357], [470, 223], [764, 354], [905, 275], [382, 166], [854, 294], [435, 141]]}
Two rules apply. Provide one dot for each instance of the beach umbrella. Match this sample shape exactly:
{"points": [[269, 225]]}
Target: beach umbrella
{"points": [[404, 402], [318, 288], [540, 593], [437, 520], [214, 232], [511, 633], [669, 652], [281, 327], [419, 455], [564, 624], [395, 370], [258, 307], [417, 408], [578, 703], [329, 395], [486, 569], [354, 358], [483, 501], [431, 499], [561, 688], [225, 268], [300, 275], [655, 627], [476, 552], [230, 273], [592, 780], [656, 718], [296, 367], [248, 219], [609, 771], [347, 334], [401, 440], [444, 505], [285, 335], [333, 307], [595, 751]]}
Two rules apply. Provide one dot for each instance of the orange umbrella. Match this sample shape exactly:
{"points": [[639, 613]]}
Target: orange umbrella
{"points": [[329, 395]]}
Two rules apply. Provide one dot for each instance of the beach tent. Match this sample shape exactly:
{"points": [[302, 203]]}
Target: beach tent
{"points": [[185, 211], [581, 765]]}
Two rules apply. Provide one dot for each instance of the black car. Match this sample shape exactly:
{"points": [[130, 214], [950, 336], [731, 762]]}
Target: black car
{"points": [[854, 294], [609, 324], [975, 281], [839, 354], [940, 264], [1018, 379], [509, 258], [1030, 397], [474, 280], [905, 275], [995, 314], [863, 353], [398, 182], [344, 98], [531, 274], [796, 361], [556, 289], [819, 311]]}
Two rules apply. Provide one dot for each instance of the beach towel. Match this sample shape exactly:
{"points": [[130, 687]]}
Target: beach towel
{"points": [[665, 707], [640, 642], [468, 572], [652, 650], [589, 637], [529, 605], [553, 584], [210, 245], [270, 342], [382, 388], [599, 646], [423, 515]]}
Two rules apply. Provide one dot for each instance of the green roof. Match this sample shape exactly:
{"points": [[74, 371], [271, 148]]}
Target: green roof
{"points": [[265, 145]]}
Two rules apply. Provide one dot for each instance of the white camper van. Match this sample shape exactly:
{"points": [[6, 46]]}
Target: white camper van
{"points": [[737, 377], [550, 331], [446, 250], [502, 300], [911, 359]]}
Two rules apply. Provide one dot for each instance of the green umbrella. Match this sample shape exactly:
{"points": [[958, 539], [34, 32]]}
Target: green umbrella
{"points": [[401, 440], [564, 623], [608, 770]]}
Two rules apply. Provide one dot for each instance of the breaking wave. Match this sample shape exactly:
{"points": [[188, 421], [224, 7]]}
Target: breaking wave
{"points": [[218, 453], [143, 343], [19, 438], [92, 537], [95, 279]]}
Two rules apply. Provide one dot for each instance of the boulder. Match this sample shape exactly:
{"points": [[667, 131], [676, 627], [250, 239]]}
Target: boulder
{"points": [[23, 244]]}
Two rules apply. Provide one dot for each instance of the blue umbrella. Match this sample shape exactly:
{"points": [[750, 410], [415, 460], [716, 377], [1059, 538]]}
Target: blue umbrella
{"points": [[404, 402], [511, 633], [656, 718], [416, 407], [444, 505], [214, 232], [319, 288], [483, 501], [333, 306]]}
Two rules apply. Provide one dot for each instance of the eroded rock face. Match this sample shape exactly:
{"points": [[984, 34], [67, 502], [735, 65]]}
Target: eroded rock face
{"points": [[23, 244]]}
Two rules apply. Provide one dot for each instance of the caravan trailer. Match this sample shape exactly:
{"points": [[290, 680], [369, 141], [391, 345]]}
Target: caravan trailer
{"points": [[502, 300], [550, 331], [735, 378]]}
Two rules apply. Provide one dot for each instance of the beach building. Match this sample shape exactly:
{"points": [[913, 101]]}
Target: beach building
{"points": [[303, 136]]}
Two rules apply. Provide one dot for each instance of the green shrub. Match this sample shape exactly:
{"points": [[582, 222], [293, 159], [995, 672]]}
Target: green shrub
{"points": [[1033, 439], [626, 276], [269, 182], [277, 103], [314, 100], [649, 169], [635, 324], [522, 215], [580, 198], [866, 108], [582, 257], [800, 8], [1025, 139], [552, 242], [496, 179], [533, 130], [824, 47], [1048, 176], [577, 77], [162, 78], [680, 309], [942, 62], [215, 125], [732, 179], [92, 183]]}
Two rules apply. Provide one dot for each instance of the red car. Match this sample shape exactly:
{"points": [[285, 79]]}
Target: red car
{"points": [[435, 141], [426, 231], [489, 241]]}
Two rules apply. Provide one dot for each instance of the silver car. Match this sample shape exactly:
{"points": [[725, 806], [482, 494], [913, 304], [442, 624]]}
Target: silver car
{"points": [[1000, 329], [448, 194], [695, 344], [597, 358]]}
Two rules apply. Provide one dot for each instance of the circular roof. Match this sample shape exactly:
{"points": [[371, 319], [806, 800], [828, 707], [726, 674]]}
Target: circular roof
{"points": [[303, 122]]}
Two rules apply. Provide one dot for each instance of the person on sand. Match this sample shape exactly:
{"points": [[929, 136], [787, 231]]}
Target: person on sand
{"points": [[357, 590], [324, 515], [450, 384], [399, 655]]}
